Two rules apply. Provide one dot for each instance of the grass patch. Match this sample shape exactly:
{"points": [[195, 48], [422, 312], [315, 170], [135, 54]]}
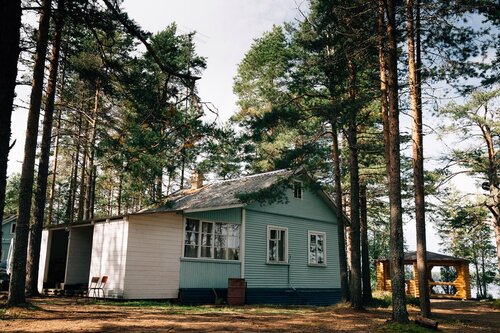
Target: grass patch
{"points": [[383, 299], [404, 328], [495, 304], [177, 309], [147, 304]]}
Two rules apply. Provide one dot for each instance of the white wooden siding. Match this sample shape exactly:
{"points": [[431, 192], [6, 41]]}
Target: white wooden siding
{"points": [[43, 263], [79, 255], [109, 246], [154, 249]]}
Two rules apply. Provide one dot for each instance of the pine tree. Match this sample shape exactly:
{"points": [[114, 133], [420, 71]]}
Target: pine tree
{"points": [[10, 25], [18, 276]]}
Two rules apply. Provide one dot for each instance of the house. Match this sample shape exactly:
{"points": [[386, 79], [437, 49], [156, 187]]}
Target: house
{"points": [[188, 248], [8, 231]]}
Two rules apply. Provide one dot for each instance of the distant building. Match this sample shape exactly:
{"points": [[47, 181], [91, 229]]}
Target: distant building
{"points": [[8, 231]]}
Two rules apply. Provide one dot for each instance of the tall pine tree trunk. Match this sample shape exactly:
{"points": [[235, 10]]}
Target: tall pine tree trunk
{"points": [[396, 254], [10, 25], [365, 257], [81, 192], [383, 81], [344, 281], [56, 144], [87, 211], [43, 164], [18, 276], [355, 255], [414, 67]]}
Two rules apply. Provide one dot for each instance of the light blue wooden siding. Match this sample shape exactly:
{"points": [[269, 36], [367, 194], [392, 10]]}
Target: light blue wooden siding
{"points": [[232, 215], [207, 274], [259, 274], [311, 206], [6, 236]]}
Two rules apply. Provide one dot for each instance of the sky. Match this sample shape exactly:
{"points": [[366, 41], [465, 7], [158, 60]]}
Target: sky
{"points": [[225, 30]]}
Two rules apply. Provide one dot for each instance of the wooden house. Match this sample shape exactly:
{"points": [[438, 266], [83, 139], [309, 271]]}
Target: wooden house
{"points": [[286, 251], [459, 288], [8, 232]]}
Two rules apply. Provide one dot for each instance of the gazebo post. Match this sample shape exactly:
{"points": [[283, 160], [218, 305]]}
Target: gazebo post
{"points": [[414, 284]]}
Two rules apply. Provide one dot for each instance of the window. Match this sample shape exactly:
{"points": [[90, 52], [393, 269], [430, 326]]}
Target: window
{"points": [[277, 245], [317, 248], [13, 228], [297, 190], [191, 241], [204, 239]]}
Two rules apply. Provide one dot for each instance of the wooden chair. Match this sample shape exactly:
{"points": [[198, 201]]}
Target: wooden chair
{"points": [[96, 285]]}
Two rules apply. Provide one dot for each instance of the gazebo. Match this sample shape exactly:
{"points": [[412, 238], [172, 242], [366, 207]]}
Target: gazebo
{"points": [[461, 284]]}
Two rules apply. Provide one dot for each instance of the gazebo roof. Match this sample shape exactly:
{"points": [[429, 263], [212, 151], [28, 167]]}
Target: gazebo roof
{"points": [[431, 256]]}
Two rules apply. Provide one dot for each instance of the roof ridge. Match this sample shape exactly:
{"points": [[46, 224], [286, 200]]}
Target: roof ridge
{"points": [[219, 181]]}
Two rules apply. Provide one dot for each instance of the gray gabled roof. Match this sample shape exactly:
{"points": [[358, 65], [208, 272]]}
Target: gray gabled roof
{"points": [[8, 219], [432, 256], [220, 194]]}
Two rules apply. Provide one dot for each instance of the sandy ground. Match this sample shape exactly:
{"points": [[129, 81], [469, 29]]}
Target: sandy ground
{"points": [[82, 315]]}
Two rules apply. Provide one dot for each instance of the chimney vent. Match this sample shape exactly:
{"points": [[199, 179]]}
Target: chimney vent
{"points": [[197, 180]]}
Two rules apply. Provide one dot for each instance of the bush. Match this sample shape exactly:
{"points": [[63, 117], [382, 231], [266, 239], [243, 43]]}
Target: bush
{"points": [[383, 299]]}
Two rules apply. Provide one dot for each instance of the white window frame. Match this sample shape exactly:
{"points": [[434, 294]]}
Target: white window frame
{"points": [[322, 233], [273, 227], [301, 189], [184, 239], [200, 235], [199, 239], [13, 228]]}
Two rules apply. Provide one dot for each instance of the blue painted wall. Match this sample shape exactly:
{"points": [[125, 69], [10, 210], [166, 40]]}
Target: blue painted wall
{"points": [[299, 216], [232, 215], [210, 273], [6, 237], [294, 283], [207, 273]]}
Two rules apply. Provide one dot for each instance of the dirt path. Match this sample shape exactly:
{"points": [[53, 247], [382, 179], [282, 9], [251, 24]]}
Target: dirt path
{"points": [[72, 315], [463, 316]]}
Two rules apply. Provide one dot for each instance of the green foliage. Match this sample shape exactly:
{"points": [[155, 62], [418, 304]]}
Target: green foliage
{"points": [[150, 127], [383, 299], [495, 304], [12, 194], [404, 328], [465, 233]]}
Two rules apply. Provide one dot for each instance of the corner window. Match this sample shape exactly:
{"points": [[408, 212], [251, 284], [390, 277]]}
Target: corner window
{"points": [[297, 190], [13, 228], [204, 239], [317, 248], [277, 245]]}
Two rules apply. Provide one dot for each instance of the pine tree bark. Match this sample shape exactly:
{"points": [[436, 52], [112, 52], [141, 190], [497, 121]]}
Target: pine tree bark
{"points": [[355, 255], [365, 257], [383, 81], [87, 211], [399, 312], [344, 281], [81, 192], [56, 145], [493, 203], [70, 210], [414, 66], [18, 276], [43, 164], [10, 25]]}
